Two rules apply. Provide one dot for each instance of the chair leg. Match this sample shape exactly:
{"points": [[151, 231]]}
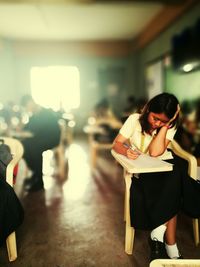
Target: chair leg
{"points": [[93, 156], [125, 201], [11, 246], [129, 231], [61, 162], [129, 239], [125, 196], [196, 231]]}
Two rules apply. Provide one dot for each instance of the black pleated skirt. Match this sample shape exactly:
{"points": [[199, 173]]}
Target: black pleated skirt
{"points": [[157, 197]]}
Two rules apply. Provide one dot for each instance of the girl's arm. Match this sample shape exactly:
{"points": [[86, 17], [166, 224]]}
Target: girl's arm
{"points": [[159, 143], [122, 146]]}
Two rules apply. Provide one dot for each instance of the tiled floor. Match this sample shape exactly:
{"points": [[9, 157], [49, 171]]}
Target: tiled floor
{"points": [[78, 222]]}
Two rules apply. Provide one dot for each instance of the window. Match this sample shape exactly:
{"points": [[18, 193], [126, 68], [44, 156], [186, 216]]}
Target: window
{"points": [[154, 78], [56, 87]]}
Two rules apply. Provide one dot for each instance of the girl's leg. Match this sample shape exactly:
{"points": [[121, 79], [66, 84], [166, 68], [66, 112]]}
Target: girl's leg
{"points": [[170, 239], [170, 233], [157, 244], [168, 229]]}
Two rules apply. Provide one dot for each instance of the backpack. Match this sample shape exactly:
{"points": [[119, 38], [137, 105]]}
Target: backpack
{"points": [[5, 158]]}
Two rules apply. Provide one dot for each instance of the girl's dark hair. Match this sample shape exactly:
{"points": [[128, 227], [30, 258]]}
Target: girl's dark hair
{"points": [[163, 103]]}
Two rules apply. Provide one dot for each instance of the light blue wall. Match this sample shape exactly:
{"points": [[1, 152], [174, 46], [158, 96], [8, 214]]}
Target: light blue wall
{"points": [[185, 86], [16, 60], [162, 45], [7, 72]]}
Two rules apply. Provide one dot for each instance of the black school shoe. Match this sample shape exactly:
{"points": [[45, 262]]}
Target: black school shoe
{"points": [[158, 250]]}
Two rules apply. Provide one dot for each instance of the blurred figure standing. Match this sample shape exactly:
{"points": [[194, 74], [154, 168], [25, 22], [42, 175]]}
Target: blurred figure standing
{"points": [[43, 124]]}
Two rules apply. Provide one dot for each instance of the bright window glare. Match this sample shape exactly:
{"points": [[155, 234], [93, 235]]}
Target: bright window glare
{"points": [[56, 87]]}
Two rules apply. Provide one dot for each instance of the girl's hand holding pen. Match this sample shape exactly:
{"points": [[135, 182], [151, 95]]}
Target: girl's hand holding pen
{"points": [[132, 153]]}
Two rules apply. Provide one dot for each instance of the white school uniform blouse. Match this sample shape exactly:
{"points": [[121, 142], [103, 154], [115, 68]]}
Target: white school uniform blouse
{"points": [[132, 130]]}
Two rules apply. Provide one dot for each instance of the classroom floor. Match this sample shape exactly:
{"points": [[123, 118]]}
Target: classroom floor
{"points": [[78, 222]]}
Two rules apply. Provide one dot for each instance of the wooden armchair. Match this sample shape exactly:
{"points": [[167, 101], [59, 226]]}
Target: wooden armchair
{"points": [[130, 231], [17, 153], [96, 146], [192, 171], [60, 150]]}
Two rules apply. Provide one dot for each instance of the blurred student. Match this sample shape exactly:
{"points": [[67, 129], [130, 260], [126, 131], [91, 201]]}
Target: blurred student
{"points": [[43, 124], [133, 106], [105, 118], [187, 134], [129, 108]]}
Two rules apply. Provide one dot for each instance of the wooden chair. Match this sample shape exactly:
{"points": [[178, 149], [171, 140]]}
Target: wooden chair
{"points": [[192, 171], [60, 149], [96, 146], [130, 231], [17, 153], [174, 263]]}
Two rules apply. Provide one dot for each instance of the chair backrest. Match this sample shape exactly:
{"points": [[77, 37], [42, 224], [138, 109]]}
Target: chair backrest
{"points": [[174, 263], [17, 151], [192, 161]]}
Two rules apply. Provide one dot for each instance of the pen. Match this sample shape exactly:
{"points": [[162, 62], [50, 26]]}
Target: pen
{"points": [[132, 148]]}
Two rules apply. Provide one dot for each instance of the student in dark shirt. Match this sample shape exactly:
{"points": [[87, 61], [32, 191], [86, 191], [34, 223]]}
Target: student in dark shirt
{"points": [[43, 124]]}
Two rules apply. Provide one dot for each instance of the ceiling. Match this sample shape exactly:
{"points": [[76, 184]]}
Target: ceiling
{"points": [[82, 20]]}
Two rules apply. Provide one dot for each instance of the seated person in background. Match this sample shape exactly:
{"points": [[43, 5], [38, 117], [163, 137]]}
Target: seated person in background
{"points": [[105, 118], [187, 134], [133, 105], [129, 108], [197, 121], [43, 124], [139, 104]]}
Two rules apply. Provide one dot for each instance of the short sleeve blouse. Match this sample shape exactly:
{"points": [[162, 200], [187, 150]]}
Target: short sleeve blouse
{"points": [[132, 130]]}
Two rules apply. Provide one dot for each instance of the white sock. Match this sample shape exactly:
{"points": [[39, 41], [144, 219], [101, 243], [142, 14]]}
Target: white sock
{"points": [[158, 233], [172, 251]]}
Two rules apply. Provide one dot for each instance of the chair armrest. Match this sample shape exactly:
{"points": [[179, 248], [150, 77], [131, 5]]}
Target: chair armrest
{"points": [[9, 171], [17, 151], [179, 151]]}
